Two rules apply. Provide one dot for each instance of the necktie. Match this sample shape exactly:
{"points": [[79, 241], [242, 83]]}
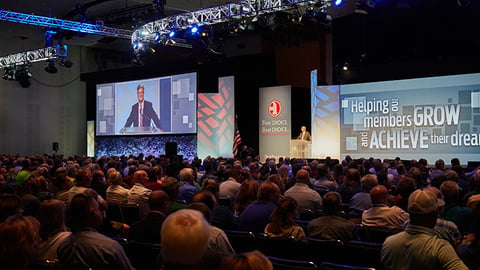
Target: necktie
{"points": [[140, 118]]}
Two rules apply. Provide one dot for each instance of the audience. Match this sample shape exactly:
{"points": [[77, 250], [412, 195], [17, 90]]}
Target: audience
{"points": [[253, 260], [138, 194], [148, 228], [86, 248], [186, 191], [51, 215], [453, 210], [282, 221], [255, 217], [170, 185], [185, 238], [362, 201], [331, 225], [381, 216], [417, 246], [306, 197], [19, 240], [116, 193]]}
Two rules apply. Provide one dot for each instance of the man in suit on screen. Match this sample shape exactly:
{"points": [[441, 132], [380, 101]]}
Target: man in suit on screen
{"points": [[142, 112]]}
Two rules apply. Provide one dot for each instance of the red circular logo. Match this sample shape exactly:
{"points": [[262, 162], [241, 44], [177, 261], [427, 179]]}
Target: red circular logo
{"points": [[274, 108]]}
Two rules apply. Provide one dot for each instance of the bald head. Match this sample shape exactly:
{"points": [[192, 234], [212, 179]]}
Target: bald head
{"points": [[379, 195], [302, 176], [158, 201]]}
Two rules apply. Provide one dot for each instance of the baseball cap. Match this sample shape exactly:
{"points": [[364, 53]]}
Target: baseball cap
{"points": [[22, 176], [422, 201]]}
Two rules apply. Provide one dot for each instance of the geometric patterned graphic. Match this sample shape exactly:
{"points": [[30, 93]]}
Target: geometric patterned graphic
{"points": [[90, 138], [215, 120], [325, 119]]}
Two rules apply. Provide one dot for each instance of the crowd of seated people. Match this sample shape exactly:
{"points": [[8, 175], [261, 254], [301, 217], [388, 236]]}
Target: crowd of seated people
{"points": [[64, 203]]}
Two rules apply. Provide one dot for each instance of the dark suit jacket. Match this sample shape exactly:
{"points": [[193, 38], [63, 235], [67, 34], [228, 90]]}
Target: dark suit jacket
{"points": [[148, 115], [148, 229], [307, 136]]}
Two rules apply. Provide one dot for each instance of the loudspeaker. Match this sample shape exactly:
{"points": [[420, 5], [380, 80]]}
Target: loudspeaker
{"points": [[55, 146], [171, 149]]}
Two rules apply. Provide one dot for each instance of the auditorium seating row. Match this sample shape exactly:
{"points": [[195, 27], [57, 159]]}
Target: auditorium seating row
{"points": [[352, 253]]}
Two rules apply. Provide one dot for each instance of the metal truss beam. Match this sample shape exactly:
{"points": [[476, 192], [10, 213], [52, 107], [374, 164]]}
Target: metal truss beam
{"points": [[96, 29], [27, 57], [219, 14]]}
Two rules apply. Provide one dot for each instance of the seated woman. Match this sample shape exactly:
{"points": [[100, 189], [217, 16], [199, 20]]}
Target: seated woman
{"points": [[282, 221]]}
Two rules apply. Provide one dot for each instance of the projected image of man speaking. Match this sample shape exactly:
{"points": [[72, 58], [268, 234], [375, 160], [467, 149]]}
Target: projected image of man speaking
{"points": [[142, 113]]}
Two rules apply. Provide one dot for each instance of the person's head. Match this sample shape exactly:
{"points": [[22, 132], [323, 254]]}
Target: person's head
{"points": [[368, 182], [10, 204], [98, 176], [303, 128], [186, 175], [19, 239], [140, 177], [202, 208], [84, 211], [302, 176], [185, 237], [440, 164], [207, 198], [423, 208], [170, 186], [284, 213], [352, 176], [140, 93], [51, 215], [450, 191], [332, 203], [379, 195], [253, 260], [268, 191], [83, 177], [406, 186], [158, 201], [115, 178]]}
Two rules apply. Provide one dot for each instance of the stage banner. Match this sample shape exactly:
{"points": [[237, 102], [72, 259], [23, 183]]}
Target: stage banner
{"points": [[215, 120], [90, 138], [432, 118], [275, 121], [325, 119]]}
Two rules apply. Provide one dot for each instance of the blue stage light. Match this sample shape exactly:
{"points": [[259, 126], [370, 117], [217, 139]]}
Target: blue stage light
{"points": [[194, 29], [171, 34], [338, 2], [157, 37]]}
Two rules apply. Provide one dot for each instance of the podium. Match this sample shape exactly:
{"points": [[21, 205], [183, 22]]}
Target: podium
{"points": [[140, 130], [300, 149]]}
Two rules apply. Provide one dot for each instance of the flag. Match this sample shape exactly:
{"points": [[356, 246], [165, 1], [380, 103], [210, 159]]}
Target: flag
{"points": [[237, 140]]}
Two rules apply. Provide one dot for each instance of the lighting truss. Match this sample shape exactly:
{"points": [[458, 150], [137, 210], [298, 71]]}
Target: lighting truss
{"points": [[219, 14], [27, 57], [97, 29]]}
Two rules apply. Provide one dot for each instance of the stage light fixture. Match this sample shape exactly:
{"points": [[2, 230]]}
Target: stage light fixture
{"points": [[65, 63], [23, 76], [171, 34], [346, 66], [157, 37], [194, 29], [338, 2], [50, 68]]}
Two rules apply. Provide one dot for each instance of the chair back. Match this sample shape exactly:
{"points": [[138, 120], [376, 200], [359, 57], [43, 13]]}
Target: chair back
{"points": [[286, 264], [282, 247], [143, 255], [131, 213], [336, 266], [114, 213], [366, 254], [241, 241], [320, 250]]}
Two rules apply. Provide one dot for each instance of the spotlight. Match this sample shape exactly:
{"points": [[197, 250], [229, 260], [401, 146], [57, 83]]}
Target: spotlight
{"points": [[346, 66], [157, 37], [23, 76], [194, 29], [338, 2], [171, 34], [51, 67], [138, 45]]}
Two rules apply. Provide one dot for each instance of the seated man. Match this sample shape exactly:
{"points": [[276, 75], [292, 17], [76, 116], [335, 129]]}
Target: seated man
{"points": [[147, 229], [417, 247], [86, 248], [382, 216], [331, 225], [185, 237]]}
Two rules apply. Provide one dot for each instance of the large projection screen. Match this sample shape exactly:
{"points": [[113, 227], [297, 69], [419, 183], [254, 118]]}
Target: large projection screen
{"points": [[432, 118]]}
